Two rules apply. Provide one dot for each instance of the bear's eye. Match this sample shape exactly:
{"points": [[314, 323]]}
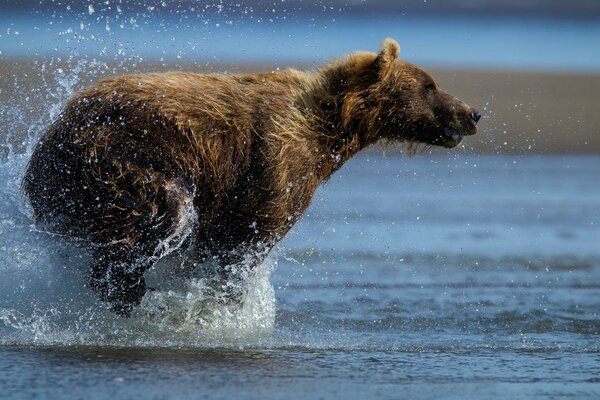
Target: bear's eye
{"points": [[430, 87]]}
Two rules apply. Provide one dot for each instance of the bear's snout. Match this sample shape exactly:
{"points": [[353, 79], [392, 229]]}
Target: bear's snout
{"points": [[467, 118], [475, 116]]}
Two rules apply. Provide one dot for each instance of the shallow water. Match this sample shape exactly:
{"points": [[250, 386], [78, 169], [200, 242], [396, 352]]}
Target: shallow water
{"points": [[462, 275], [296, 374]]}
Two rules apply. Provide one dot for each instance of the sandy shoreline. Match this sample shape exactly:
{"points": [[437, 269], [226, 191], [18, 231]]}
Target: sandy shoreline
{"points": [[524, 112]]}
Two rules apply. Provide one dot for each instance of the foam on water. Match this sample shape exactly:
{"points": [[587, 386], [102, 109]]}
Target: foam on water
{"points": [[43, 298]]}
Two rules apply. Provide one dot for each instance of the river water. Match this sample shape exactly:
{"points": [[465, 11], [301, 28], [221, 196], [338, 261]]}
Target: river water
{"points": [[407, 277]]}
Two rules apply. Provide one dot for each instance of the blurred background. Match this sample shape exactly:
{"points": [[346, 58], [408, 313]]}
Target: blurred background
{"points": [[531, 66]]}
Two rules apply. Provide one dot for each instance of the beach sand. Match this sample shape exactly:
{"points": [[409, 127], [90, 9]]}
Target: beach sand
{"points": [[524, 112]]}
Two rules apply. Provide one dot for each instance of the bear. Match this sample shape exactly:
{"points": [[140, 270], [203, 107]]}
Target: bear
{"points": [[136, 166]]}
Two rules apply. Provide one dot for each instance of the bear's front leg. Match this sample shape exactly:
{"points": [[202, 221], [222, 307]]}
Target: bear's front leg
{"points": [[118, 279]]}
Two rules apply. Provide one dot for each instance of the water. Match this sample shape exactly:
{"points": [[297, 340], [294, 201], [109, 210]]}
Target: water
{"points": [[282, 39], [471, 276], [461, 274]]}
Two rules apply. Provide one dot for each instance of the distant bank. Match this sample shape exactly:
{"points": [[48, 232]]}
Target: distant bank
{"points": [[524, 113]]}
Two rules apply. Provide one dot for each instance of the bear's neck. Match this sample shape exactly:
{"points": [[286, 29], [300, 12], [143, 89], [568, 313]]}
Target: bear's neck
{"points": [[341, 126]]}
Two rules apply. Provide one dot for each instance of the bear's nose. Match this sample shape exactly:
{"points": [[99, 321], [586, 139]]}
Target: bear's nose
{"points": [[475, 116]]}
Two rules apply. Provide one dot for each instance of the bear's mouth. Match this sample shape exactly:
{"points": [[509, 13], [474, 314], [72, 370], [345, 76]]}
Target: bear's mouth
{"points": [[452, 137], [453, 134], [449, 138], [446, 136]]}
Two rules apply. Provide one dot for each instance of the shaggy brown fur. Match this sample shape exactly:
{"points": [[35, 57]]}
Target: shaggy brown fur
{"points": [[137, 164]]}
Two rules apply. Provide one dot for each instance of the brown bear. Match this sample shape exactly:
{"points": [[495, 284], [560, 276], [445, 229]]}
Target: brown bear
{"points": [[137, 165]]}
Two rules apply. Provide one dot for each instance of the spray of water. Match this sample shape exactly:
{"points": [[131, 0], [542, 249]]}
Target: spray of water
{"points": [[43, 298]]}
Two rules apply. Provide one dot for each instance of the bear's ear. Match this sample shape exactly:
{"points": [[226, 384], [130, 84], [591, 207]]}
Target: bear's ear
{"points": [[390, 51]]}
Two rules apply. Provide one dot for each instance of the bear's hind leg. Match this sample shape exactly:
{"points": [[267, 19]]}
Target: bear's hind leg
{"points": [[144, 216]]}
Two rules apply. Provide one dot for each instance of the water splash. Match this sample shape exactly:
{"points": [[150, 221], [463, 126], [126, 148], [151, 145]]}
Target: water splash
{"points": [[43, 298]]}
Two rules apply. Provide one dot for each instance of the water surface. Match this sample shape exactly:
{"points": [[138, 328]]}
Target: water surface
{"points": [[474, 275]]}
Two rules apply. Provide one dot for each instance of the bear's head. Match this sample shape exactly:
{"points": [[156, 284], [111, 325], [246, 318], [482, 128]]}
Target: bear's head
{"points": [[402, 102]]}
